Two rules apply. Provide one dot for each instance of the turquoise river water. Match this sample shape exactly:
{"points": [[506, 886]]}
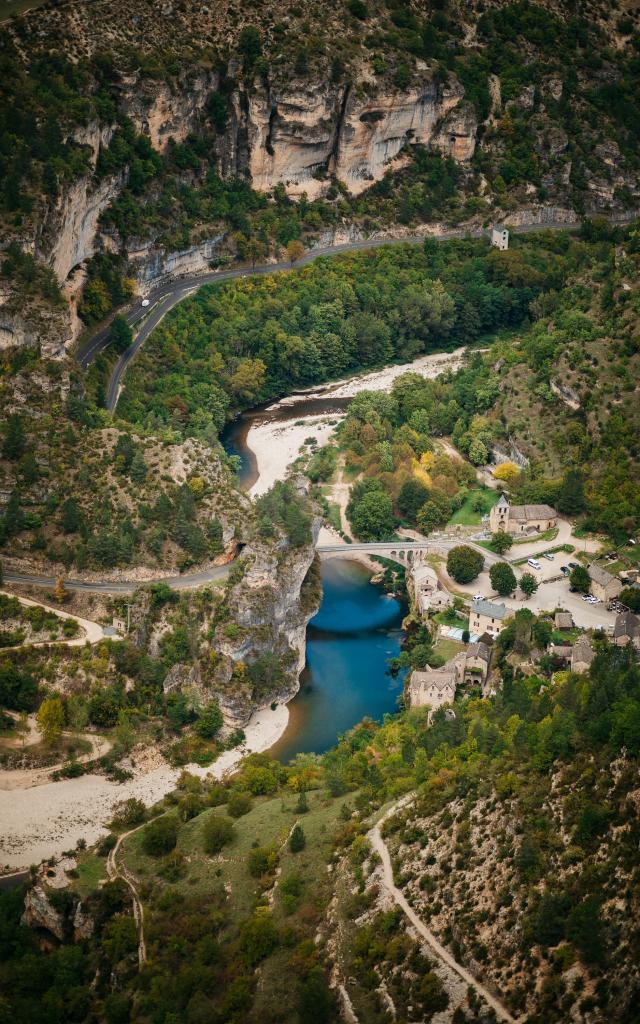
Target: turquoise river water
{"points": [[349, 641]]}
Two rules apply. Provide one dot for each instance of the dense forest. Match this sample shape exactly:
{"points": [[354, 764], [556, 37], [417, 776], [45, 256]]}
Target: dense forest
{"points": [[538, 754], [235, 345], [560, 307]]}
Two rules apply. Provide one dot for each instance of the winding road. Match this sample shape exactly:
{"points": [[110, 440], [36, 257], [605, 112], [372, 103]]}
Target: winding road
{"points": [[167, 295], [188, 581]]}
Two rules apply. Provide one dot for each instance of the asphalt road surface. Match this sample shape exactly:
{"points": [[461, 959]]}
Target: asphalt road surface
{"points": [[165, 296], [186, 582]]}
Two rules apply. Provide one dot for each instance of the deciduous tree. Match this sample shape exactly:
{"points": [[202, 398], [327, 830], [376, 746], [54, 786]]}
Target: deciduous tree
{"points": [[464, 564], [528, 584], [502, 578], [50, 719]]}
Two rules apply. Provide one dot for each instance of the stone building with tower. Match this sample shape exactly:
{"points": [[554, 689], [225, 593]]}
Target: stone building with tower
{"points": [[521, 519]]}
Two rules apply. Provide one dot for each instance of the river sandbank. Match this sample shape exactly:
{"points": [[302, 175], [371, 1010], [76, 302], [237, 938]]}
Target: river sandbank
{"points": [[46, 820], [275, 440]]}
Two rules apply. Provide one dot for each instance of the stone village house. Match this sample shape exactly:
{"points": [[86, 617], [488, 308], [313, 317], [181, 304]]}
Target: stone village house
{"points": [[488, 617], [626, 630], [582, 654], [521, 519], [433, 687], [604, 586], [428, 593]]}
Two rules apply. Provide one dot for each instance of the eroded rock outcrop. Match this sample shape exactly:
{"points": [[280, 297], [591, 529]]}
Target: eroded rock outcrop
{"points": [[39, 912], [300, 135]]}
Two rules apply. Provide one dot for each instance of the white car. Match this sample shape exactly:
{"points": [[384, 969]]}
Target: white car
{"points": [[548, 555], [145, 303], [585, 597], [477, 597]]}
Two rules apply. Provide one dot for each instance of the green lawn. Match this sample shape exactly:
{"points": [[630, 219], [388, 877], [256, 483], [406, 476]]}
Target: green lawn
{"points": [[448, 620], [465, 516], [91, 871], [448, 648], [565, 636], [546, 535]]}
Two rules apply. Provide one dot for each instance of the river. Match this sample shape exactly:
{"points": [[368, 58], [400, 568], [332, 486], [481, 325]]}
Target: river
{"points": [[346, 678], [357, 628]]}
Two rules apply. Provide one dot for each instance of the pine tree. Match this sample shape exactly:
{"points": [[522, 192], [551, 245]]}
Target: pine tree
{"points": [[302, 805], [120, 333], [570, 499], [13, 446], [138, 470], [13, 516], [124, 452], [71, 516], [297, 839]]}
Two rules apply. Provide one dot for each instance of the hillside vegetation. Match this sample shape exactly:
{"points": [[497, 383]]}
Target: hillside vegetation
{"points": [[519, 850]]}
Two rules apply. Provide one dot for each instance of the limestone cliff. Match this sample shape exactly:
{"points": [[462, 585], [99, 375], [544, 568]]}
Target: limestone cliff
{"points": [[299, 134]]}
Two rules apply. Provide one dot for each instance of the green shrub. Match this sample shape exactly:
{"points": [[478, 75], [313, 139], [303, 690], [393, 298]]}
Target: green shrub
{"points": [[160, 836], [218, 832]]}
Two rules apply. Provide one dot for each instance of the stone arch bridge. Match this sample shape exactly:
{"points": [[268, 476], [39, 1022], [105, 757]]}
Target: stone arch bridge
{"points": [[405, 552]]}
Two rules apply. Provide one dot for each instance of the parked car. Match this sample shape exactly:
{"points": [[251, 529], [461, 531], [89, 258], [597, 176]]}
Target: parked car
{"points": [[564, 569], [534, 563], [547, 554], [573, 565]]}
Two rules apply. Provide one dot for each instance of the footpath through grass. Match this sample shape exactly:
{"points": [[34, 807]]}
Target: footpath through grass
{"points": [[267, 824]]}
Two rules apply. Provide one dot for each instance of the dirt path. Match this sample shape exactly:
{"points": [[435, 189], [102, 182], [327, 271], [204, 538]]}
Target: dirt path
{"points": [[26, 778], [443, 954], [92, 632], [113, 871]]}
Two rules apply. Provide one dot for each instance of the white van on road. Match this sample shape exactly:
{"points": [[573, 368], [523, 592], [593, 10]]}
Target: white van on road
{"points": [[534, 563]]}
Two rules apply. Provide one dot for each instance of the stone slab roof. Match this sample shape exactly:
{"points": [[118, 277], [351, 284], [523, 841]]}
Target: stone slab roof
{"points": [[478, 650], [488, 608], [562, 650], [582, 650], [600, 575], [626, 624], [563, 620], [528, 512]]}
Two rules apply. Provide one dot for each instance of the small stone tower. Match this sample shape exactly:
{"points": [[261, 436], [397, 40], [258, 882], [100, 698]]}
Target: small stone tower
{"points": [[499, 516]]}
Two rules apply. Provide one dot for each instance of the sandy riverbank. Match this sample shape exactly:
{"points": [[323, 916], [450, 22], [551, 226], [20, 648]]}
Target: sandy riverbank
{"points": [[43, 821], [276, 442], [379, 380]]}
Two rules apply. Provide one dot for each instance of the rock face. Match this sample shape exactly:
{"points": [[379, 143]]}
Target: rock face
{"points": [[24, 323], [73, 224], [300, 135], [163, 113], [40, 913], [150, 264]]}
